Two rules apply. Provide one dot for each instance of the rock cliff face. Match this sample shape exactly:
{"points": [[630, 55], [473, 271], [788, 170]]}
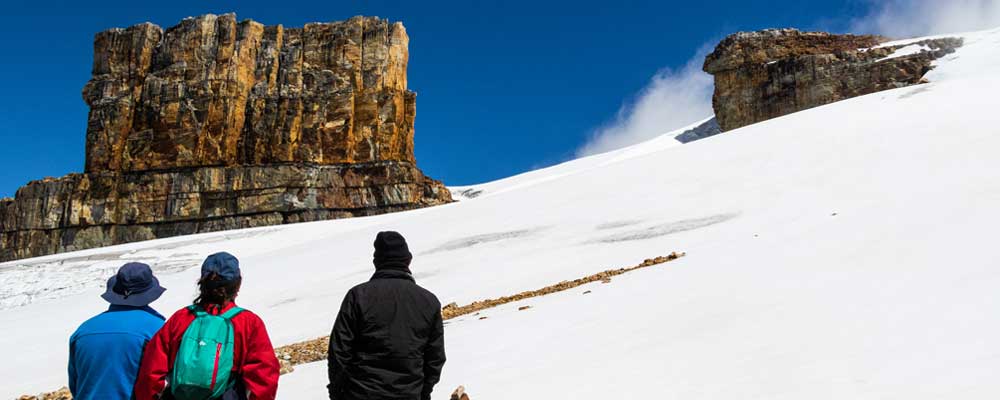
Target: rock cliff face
{"points": [[767, 74], [216, 124]]}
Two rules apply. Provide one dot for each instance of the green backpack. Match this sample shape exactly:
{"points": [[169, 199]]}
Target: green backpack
{"points": [[205, 358]]}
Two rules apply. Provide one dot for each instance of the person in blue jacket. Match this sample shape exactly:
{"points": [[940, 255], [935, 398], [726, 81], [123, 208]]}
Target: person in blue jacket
{"points": [[105, 351]]}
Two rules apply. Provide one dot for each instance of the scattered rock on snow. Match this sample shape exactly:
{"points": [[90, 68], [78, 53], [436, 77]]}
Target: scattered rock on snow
{"points": [[450, 312], [61, 394], [459, 394], [286, 366]]}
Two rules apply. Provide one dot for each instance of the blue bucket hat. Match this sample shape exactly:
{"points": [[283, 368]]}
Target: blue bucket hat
{"points": [[134, 285], [223, 264]]}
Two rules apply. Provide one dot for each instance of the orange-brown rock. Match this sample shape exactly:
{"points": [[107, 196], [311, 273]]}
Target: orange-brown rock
{"points": [[459, 394], [217, 124], [216, 92], [767, 74], [61, 394]]}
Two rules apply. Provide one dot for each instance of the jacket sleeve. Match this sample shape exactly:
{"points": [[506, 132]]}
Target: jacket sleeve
{"points": [[260, 365], [341, 351], [434, 357], [155, 365], [71, 369]]}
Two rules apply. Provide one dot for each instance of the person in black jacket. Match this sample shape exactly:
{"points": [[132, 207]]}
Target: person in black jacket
{"points": [[388, 340]]}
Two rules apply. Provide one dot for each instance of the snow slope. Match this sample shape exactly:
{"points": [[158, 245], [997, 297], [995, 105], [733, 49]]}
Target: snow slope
{"points": [[841, 252], [580, 165]]}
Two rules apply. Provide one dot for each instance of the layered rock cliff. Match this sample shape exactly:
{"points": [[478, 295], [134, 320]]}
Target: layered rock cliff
{"points": [[217, 124], [767, 74]]}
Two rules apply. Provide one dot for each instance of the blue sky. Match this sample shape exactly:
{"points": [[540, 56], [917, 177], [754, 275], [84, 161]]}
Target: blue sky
{"points": [[503, 87]]}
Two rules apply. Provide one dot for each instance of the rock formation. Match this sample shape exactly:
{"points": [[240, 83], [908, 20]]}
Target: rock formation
{"points": [[767, 74], [216, 124], [706, 129]]}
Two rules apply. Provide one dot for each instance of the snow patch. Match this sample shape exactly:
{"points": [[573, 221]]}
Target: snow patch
{"points": [[906, 51]]}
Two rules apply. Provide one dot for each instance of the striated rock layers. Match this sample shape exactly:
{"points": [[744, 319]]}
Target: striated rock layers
{"points": [[767, 74], [216, 124]]}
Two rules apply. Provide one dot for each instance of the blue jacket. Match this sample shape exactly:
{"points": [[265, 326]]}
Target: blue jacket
{"points": [[105, 351]]}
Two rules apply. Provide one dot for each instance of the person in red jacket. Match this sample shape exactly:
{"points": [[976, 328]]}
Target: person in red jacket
{"points": [[254, 364]]}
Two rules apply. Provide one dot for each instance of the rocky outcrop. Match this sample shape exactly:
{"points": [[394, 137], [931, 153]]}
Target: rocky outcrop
{"points": [[217, 124], [705, 129], [767, 74], [213, 91]]}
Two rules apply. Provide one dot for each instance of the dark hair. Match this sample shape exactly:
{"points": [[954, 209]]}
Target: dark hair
{"points": [[213, 290]]}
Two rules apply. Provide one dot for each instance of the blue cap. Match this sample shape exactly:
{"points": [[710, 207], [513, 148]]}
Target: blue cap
{"points": [[134, 285], [223, 264]]}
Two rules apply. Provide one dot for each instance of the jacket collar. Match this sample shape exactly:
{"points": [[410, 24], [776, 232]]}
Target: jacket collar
{"points": [[118, 307], [393, 274]]}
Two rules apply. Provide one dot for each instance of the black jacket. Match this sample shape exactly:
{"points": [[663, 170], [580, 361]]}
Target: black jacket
{"points": [[387, 342]]}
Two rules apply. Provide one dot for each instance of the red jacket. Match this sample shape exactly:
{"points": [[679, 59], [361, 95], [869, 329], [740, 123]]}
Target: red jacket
{"points": [[253, 355]]}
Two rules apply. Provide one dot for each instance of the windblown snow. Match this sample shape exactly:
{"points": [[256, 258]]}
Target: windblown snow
{"points": [[847, 251]]}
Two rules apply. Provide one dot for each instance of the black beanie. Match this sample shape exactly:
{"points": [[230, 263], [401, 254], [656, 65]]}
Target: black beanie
{"points": [[391, 251]]}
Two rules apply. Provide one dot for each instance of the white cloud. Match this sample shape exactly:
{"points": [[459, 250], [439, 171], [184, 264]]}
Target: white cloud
{"points": [[909, 18], [674, 98]]}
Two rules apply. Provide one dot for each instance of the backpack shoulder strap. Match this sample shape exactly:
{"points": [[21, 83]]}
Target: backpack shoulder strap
{"points": [[197, 311], [228, 315]]}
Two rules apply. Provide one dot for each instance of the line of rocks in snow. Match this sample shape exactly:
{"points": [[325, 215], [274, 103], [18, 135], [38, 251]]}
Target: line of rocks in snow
{"points": [[316, 349]]}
